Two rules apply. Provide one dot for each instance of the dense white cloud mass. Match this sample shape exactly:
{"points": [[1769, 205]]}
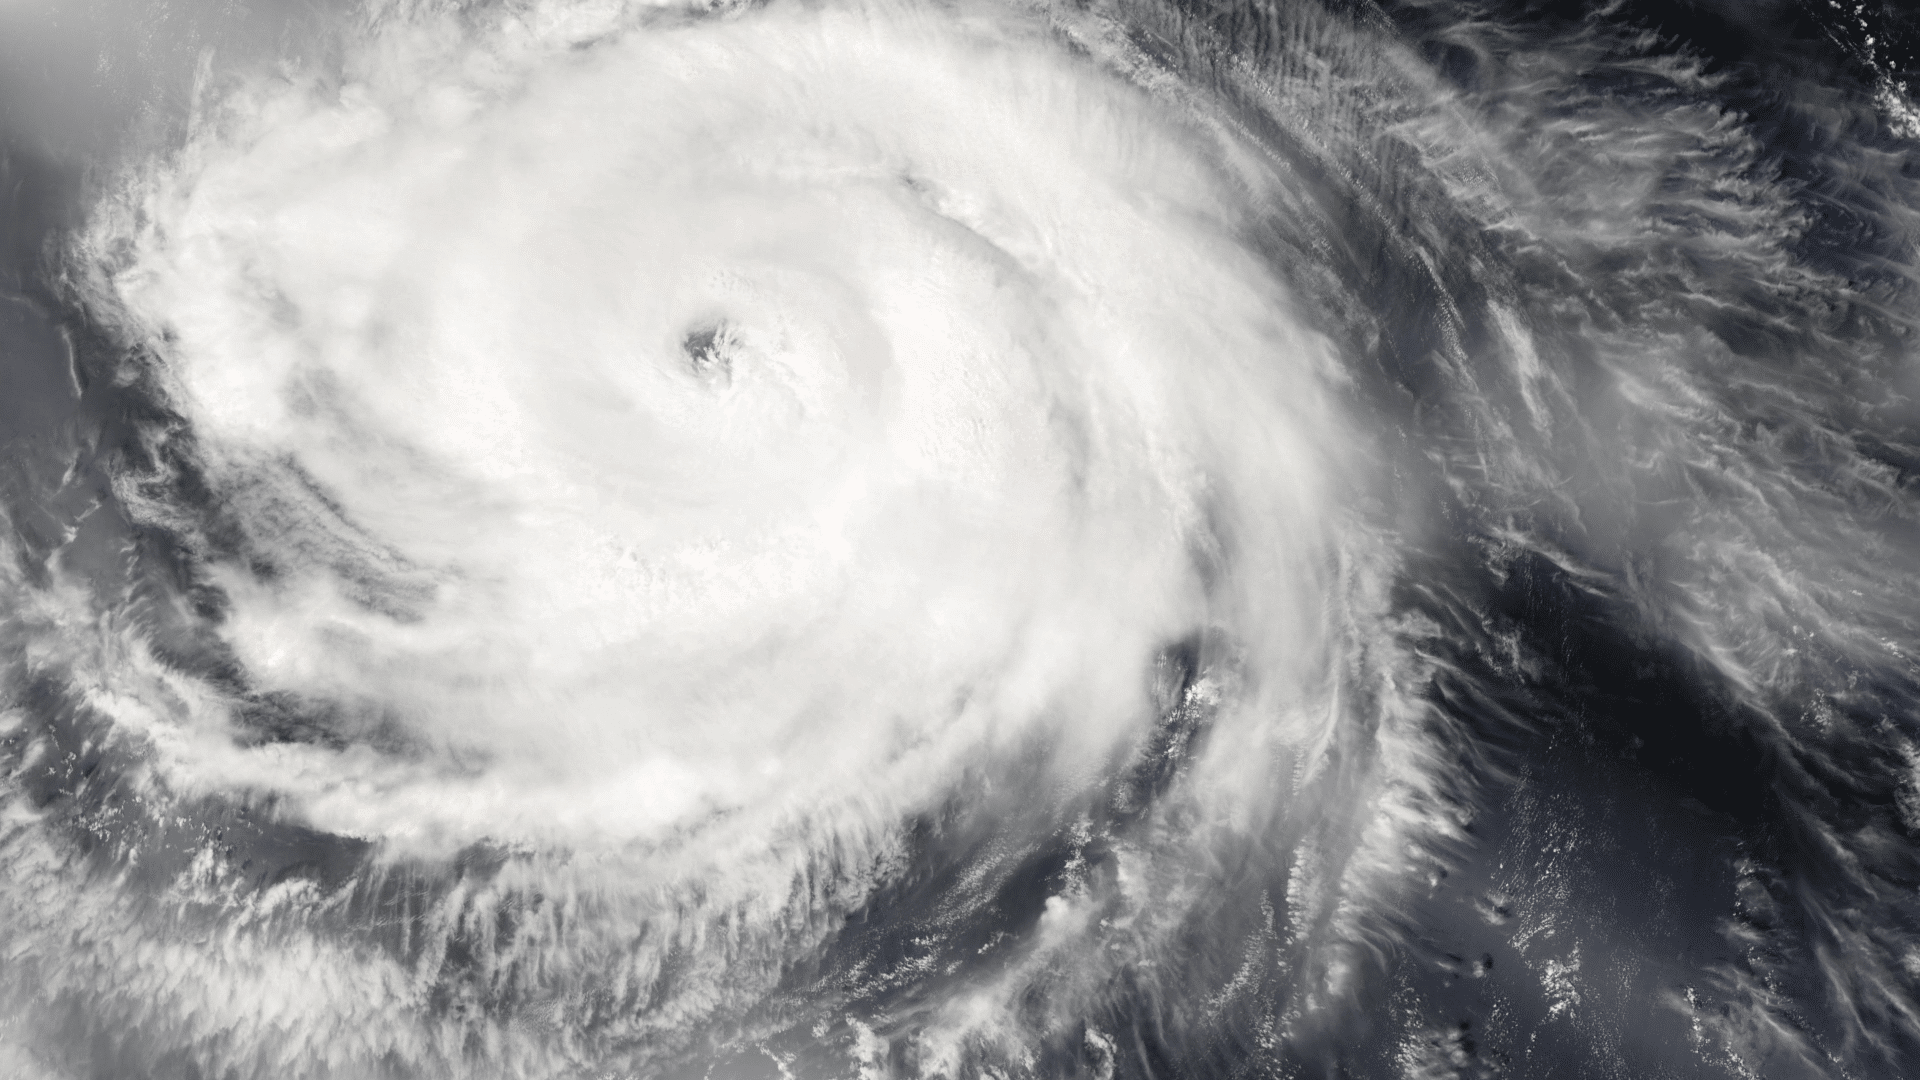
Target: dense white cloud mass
{"points": [[641, 448], [680, 452]]}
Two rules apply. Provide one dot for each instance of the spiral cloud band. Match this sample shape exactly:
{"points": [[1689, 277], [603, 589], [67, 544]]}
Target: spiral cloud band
{"points": [[678, 453], [634, 443]]}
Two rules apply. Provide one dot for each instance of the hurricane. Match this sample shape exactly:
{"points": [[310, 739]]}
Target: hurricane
{"points": [[899, 539]]}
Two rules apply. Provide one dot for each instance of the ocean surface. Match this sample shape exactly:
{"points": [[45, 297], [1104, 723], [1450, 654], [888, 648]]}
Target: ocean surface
{"points": [[895, 539]]}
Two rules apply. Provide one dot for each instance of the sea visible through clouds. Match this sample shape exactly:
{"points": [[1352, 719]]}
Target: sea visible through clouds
{"points": [[911, 539]]}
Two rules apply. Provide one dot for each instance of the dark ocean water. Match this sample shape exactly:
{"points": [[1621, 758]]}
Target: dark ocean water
{"points": [[892, 540]]}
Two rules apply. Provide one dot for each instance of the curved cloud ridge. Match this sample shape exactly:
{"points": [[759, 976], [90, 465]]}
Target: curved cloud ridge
{"points": [[634, 470], [627, 442]]}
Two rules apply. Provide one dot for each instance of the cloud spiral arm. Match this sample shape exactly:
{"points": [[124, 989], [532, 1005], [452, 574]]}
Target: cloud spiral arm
{"points": [[647, 464]]}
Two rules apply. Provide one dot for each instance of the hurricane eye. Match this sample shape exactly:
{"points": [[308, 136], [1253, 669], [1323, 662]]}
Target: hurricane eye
{"points": [[709, 349]]}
